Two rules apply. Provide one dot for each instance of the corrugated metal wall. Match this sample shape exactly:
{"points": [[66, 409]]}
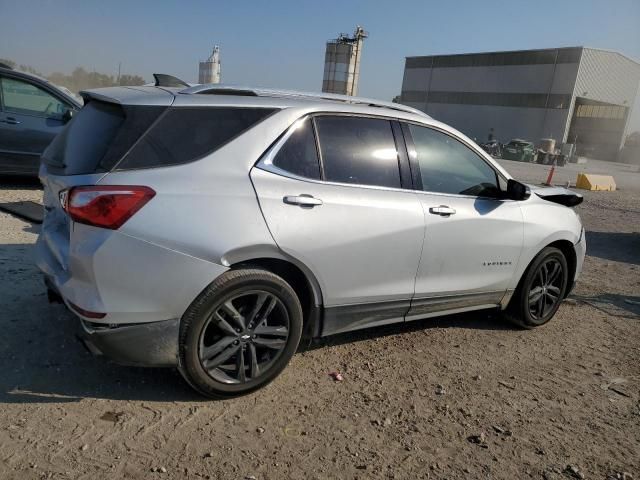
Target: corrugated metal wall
{"points": [[523, 94], [607, 77], [529, 94]]}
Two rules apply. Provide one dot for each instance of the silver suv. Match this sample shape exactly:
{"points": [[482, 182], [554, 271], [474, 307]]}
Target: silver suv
{"points": [[214, 228]]}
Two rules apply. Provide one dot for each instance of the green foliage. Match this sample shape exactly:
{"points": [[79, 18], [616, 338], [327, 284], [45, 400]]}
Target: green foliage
{"points": [[131, 80], [8, 62], [80, 79]]}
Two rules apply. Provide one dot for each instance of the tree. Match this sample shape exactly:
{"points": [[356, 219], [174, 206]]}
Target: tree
{"points": [[80, 79], [7, 62], [131, 80]]}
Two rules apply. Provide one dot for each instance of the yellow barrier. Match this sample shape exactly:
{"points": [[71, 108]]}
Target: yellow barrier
{"points": [[588, 181]]}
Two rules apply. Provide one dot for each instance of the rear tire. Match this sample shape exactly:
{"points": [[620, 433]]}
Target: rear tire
{"points": [[240, 333], [541, 290]]}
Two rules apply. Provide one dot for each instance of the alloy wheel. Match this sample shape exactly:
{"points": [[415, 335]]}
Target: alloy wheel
{"points": [[244, 336], [546, 289]]}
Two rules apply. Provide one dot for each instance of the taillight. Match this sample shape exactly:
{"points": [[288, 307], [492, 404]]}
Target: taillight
{"points": [[86, 313], [105, 206]]}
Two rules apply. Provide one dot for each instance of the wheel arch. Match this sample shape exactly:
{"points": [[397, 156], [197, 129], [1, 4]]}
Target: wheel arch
{"points": [[567, 249], [569, 252], [296, 274]]}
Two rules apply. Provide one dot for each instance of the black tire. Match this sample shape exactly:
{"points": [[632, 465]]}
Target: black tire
{"points": [[526, 309], [242, 303]]}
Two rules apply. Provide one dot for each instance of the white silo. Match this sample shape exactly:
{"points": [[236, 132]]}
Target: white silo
{"points": [[209, 71], [342, 63]]}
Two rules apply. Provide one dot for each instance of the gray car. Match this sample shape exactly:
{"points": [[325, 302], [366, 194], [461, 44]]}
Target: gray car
{"points": [[215, 228], [32, 112]]}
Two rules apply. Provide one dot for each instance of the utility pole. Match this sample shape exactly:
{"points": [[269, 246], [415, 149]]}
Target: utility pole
{"points": [[119, 66]]}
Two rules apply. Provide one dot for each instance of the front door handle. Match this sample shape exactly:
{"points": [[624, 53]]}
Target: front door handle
{"points": [[10, 121], [302, 200], [442, 210]]}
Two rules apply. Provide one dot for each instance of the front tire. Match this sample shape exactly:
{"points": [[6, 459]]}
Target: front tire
{"points": [[541, 290], [240, 333]]}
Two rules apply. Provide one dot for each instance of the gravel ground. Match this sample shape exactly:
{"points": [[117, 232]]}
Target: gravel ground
{"points": [[463, 396]]}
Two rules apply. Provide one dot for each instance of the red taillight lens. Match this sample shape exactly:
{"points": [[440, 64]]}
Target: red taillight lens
{"points": [[106, 206], [86, 313]]}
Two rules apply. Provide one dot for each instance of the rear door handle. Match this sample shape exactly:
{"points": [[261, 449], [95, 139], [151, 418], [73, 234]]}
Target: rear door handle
{"points": [[302, 200], [442, 210], [10, 121]]}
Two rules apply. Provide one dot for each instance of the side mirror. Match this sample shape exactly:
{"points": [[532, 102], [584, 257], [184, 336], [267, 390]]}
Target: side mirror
{"points": [[67, 115], [517, 191]]}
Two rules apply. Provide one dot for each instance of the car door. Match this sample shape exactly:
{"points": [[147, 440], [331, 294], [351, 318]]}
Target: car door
{"points": [[29, 119], [473, 237], [332, 195]]}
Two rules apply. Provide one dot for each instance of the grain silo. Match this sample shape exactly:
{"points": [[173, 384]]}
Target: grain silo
{"points": [[209, 71], [342, 63]]}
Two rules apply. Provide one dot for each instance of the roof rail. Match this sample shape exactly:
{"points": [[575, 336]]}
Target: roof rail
{"points": [[220, 89]]}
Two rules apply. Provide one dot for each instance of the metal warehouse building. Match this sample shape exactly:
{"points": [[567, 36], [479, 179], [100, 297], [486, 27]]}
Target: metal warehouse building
{"points": [[576, 95]]}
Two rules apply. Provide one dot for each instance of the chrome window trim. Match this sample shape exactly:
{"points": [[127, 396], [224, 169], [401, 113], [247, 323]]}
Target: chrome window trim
{"points": [[266, 160]]}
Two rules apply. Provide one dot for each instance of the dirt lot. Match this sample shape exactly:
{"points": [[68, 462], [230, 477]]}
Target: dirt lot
{"points": [[459, 397]]}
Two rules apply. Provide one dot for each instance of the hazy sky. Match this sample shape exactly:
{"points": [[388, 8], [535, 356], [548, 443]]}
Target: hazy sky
{"points": [[281, 43]]}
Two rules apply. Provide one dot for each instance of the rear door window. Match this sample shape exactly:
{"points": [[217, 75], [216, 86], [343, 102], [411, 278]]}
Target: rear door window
{"points": [[358, 150], [184, 134], [299, 155]]}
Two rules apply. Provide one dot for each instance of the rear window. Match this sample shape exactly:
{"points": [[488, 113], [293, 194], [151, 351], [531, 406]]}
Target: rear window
{"points": [[97, 137], [183, 134]]}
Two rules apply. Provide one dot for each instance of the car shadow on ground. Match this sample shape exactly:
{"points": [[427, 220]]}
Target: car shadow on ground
{"points": [[44, 361], [478, 320], [614, 246], [613, 304]]}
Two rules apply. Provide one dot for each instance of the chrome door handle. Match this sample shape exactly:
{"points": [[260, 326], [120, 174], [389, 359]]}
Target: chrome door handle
{"points": [[442, 210], [10, 121], [302, 200]]}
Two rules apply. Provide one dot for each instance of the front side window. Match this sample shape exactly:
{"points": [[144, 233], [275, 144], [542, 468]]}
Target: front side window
{"points": [[358, 150], [25, 98], [298, 155], [448, 166]]}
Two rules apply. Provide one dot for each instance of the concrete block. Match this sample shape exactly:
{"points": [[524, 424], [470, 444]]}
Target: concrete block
{"points": [[588, 181]]}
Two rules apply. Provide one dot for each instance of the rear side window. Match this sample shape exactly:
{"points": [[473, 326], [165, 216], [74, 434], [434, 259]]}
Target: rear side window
{"points": [[183, 134], [358, 150], [298, 155]]}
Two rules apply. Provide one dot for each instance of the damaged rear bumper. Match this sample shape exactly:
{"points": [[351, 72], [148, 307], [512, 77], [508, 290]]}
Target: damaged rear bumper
{"points": [[153, 344]]}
